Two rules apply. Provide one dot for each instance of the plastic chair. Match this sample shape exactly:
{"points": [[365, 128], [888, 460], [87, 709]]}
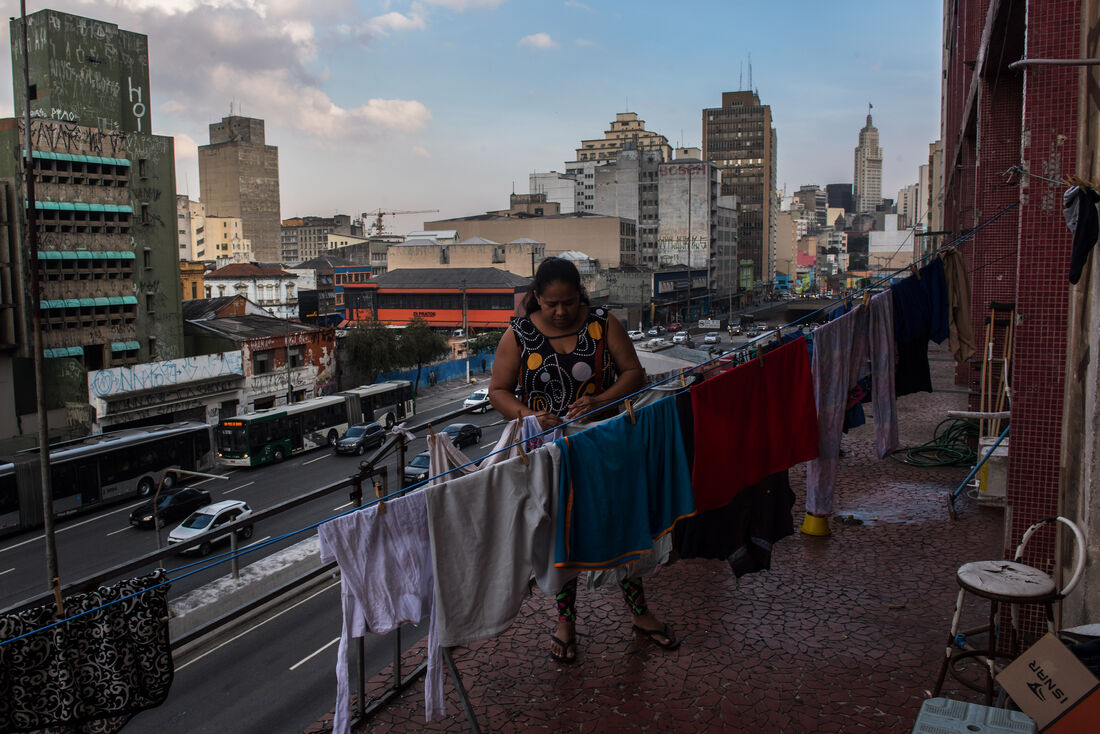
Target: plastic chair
{"points": [[1005, 582]]}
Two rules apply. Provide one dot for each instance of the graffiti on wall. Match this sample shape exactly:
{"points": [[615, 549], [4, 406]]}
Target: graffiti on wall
{"points": [[118, 380]]}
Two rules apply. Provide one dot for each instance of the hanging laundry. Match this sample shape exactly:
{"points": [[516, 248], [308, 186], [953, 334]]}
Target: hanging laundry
{"points": [[752, 421], [961, 336], [490, 532], [534, 435], [649, 563], [622, 486], [920, 313], [444, 458], [840, 354], [744, 531], [108, 661], [386, 581], [1079, 209], [883, 395]]}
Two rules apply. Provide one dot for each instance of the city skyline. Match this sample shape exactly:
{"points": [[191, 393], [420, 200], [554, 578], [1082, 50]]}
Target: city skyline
{"points": [[449, 104]]}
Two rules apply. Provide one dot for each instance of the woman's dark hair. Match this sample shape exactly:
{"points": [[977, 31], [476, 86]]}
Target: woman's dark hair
{"points": [[553, 270]]}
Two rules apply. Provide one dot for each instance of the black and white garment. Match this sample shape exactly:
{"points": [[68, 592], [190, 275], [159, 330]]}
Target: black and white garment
{"points": [[552, 382], [1079, 209], [91, 674]]}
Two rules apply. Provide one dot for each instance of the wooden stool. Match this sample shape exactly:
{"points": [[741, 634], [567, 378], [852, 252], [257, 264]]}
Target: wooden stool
{"points": [[1005, 582]]}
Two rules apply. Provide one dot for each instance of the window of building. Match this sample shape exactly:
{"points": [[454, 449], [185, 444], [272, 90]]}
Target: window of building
{"points": [[147, 258], [149, 303], [194, 290], [263, 361], [142, 165], [152, 348]]}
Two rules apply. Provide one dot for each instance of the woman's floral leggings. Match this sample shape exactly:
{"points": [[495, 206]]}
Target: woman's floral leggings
{"points": [[633, 593]]}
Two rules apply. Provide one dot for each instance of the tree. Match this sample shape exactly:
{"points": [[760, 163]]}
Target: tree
{"points": [[419, 345], [372, 349], [485, 341]]}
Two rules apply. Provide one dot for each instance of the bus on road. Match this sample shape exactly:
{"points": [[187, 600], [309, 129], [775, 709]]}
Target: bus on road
{"points": [[384, 402], [90, 471], [272, 435]]}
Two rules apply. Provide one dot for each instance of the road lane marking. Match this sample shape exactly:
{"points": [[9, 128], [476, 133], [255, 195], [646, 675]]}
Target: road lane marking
{"points": [[120, 530], [249, 484], [315, 653], [74, 525], [210, 479], [8, 571], [255, 542], [326, 456], [257, 626], [346, 504]]}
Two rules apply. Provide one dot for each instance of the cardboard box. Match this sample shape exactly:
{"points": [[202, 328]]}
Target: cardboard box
{"points": [[1047, 681]]}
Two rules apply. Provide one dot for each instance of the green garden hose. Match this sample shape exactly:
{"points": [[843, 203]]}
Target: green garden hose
{"points": [[950, 446]]}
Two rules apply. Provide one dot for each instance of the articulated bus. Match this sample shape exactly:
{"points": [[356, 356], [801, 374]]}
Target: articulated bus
{"points": [[385, 402], [90, 471], [270, 435]]}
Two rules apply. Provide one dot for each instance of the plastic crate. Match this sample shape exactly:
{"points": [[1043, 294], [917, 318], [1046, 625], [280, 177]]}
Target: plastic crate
{"points": [[944, 716]]}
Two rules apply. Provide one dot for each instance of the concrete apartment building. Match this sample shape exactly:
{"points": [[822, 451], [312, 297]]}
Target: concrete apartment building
{"points": [[558, 187], [626, 128], [815, 202], [697, 226], [626, 186], [520, 257], [105, 209], [304, 238], [739, 138], [867, 186], [239, 178], [601, 237]]}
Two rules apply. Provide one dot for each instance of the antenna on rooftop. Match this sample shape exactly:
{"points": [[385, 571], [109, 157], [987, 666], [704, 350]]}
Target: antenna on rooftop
{"points": [[750, 71], [741, 74]]}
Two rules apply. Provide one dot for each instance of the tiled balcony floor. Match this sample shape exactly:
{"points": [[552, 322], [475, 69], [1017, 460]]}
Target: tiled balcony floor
{"points": [[844, 634]]}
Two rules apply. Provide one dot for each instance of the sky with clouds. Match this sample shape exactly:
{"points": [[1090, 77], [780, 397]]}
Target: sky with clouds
{"points": [[449, 104]]}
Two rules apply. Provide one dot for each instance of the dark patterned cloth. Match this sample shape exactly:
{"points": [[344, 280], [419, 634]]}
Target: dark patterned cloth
{"points": [[552, 382], [89, 675]]}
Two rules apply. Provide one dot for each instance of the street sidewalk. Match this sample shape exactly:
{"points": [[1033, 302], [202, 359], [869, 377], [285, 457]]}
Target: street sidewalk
{"points": [[844, 634]]}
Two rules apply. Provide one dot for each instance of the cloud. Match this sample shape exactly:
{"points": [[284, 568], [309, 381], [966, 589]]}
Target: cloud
{"points": [[421, 151], [263, 54], [585, 43], [460, 5], [537, 40], [579, 6], [186, 147]]}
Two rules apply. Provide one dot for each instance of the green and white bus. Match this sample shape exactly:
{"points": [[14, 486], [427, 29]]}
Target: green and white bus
{"points": [[271, 435], [385, 402]]}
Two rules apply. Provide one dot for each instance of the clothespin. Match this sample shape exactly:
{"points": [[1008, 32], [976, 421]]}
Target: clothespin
{"points": [[523, 454], [431, 431], [380, 494], [913, 269], [630, 411], [683, 380], [867, 299]]}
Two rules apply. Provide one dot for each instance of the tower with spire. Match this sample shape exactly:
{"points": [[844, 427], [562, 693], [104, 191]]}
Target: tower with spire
{"points": [[867, 179]]}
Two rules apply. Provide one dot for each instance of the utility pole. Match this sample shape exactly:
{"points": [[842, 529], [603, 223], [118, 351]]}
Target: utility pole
{"points": [[466, 328], [53, 575]]}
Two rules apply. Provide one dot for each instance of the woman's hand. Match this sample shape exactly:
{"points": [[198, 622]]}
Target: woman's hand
{"points": [[548, 420], [585, 405]]}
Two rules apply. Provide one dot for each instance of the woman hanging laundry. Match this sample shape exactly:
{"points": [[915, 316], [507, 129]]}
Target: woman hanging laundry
{"points": [[569, 359]]}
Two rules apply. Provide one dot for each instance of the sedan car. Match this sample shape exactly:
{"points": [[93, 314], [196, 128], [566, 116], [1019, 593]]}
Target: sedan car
{"points": [[675, 326], [657, 330], [209, 522], [359, 438], [463, 434], [736, 331], [478, 400], [681, 337], [417, 469], [711, 337], [636, 335], [171, 506]]}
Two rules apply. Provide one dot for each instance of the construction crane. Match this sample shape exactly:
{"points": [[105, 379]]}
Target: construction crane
{"points": [[379, 213]]}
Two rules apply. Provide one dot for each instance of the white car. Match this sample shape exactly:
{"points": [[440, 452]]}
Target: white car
{"points": [[478, 400], [635, 335], [711, 337], [207, 522], [681, 337]]}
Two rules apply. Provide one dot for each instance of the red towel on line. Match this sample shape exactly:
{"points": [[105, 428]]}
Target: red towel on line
{"points": [[751, 422]]}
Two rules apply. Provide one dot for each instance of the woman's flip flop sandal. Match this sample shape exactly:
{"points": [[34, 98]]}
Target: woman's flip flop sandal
{"points": [[564, 657], [672, 642]]}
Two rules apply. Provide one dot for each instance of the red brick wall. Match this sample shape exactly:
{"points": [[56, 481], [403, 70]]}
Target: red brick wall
{"points": [[1048, 147]]}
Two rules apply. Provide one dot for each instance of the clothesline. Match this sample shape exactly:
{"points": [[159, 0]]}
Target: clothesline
{"points": [[212, 562]]}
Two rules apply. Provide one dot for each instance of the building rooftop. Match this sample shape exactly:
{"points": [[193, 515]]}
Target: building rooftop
{"points": [[241, 328], [324, 263], [250, 270], [450, 278], [843, 634]]}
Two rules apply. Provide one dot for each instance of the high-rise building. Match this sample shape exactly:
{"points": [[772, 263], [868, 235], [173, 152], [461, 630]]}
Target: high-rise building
{"points": [[105, 209], [815, 202], [867, 189], [558, 187], [839, 196], [626, 128], [305, 238], [239, 177], [739, 138], [627, 187]]}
